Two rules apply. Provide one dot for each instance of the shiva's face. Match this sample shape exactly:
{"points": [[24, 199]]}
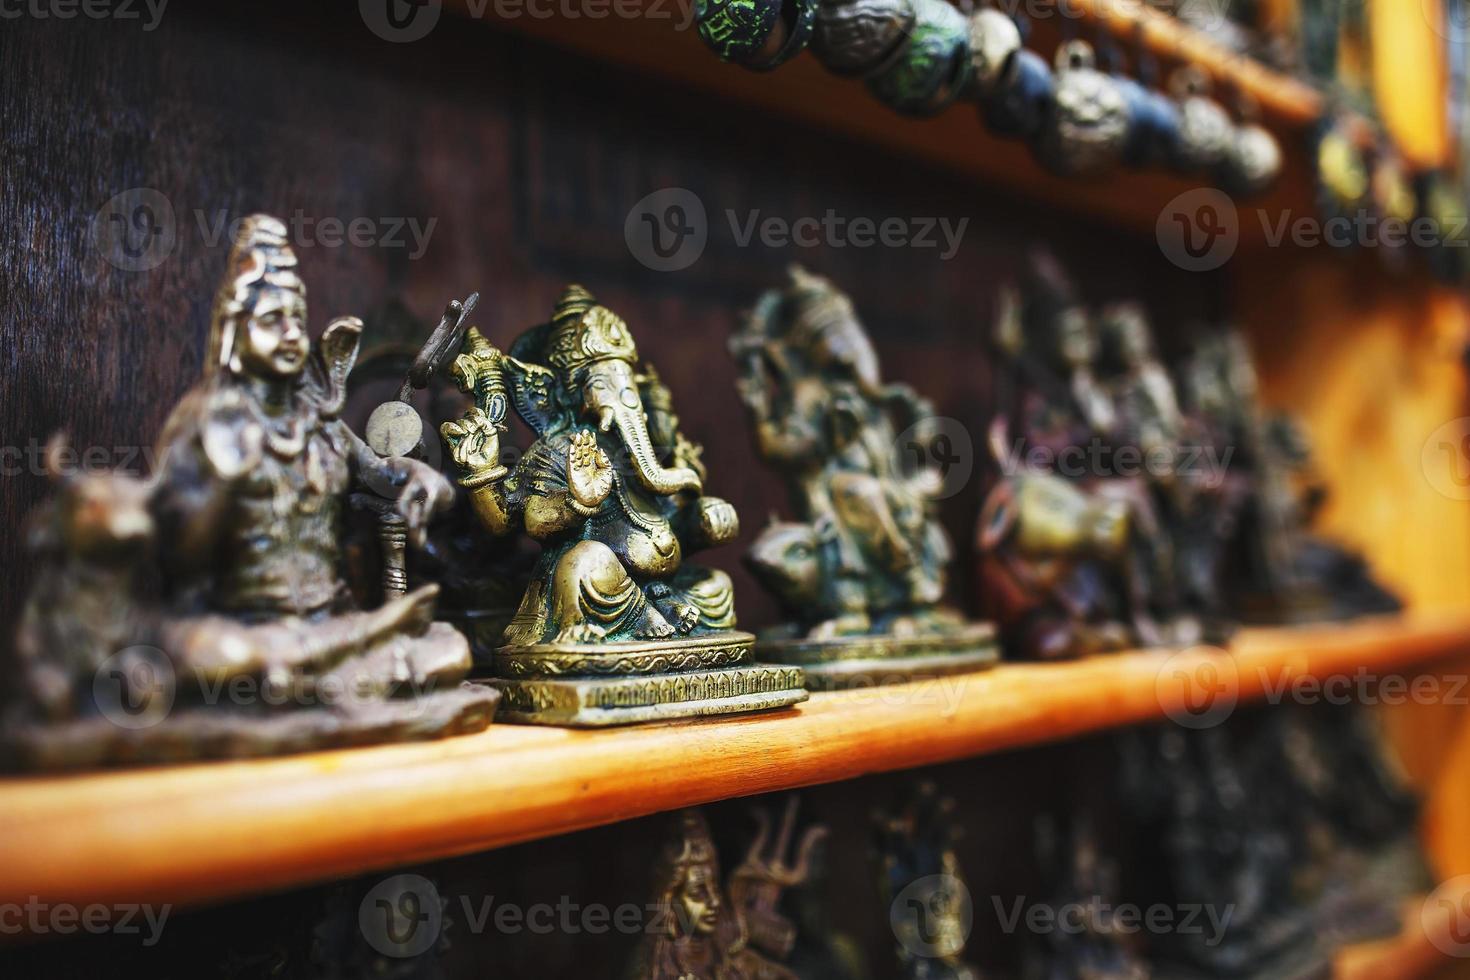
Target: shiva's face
{"points": [[272, 340]]}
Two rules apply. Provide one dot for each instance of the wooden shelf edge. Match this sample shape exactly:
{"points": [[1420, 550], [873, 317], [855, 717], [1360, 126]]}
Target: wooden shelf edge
{"points": [[206, 832], [1425, 946]]}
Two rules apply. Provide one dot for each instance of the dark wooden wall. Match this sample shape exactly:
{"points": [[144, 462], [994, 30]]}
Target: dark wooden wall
{"points": [[527, 159]]}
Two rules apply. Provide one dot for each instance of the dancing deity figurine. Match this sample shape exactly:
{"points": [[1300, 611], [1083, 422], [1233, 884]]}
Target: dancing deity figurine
{"points": [[734, 932], [242, 518], [615, 626], [861, 573]]}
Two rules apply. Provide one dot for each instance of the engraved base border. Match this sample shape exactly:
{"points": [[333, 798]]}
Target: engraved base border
{"points": [[867, 661], [598, 702], [622, 658]]}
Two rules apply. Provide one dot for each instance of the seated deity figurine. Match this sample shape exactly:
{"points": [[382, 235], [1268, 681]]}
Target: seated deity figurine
{"points": [[861, 571], [615, 626], [242, 640]]}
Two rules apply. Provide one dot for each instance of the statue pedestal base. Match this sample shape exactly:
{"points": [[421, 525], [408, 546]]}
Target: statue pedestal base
{"points": [[594, 685], [350, 705], [869, 660], [196, 734]]}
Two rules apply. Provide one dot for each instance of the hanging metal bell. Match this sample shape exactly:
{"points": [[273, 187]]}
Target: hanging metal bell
{"points": [[1205, 130], [1088, 125], [1253, 162]]}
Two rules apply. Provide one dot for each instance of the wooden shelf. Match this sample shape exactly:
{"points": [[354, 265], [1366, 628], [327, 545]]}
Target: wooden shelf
{"points": [[204, 832], [1412, 954], [662, 45]]}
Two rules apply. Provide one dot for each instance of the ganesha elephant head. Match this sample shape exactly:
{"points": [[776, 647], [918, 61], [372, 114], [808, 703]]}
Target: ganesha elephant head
{"points": [[593, 352]]}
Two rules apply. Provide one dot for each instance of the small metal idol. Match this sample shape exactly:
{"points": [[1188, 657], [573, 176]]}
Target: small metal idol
{"points": [[861, 573], [929, 905], [711, 930], [250, 646], [615, 626]]}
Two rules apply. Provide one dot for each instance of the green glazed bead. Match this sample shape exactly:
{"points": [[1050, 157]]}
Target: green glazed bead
{"points": [[934, 68], [736, 30], [801, 18]]}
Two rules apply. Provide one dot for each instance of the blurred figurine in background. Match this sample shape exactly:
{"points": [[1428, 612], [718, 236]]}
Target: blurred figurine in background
{"points": [[861, 572], [1273, 568], [1082, 880], [929, 905], [1073, 557], [243, 520], [729, 931], [616, 626]]}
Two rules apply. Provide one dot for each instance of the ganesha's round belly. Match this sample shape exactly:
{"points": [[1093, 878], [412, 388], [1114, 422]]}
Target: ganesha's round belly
{"points": [[651, 553]]}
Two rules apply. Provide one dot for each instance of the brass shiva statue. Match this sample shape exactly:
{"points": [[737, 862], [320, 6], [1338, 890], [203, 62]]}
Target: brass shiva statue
{"points": [[201, 612], [861, 572], [706, 931], [615, 626]]}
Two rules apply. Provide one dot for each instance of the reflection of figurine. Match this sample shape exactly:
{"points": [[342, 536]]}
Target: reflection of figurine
{"points": [[615, 627], [862, 573], [1208, 817], [243, 518], [1094, 945], [1335, 788], [707, 935], [930, 908]]}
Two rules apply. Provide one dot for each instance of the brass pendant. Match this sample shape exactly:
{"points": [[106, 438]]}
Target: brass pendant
{"points": [[248, 652], [1088, 125], [861, 572], [615, 626]]}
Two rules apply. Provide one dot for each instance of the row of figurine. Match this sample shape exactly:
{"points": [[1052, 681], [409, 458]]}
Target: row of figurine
{"points": [[1254, 849], [205, 611]]}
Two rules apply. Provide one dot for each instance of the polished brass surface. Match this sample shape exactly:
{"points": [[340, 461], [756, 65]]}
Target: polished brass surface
{"points": [[614, 492]]}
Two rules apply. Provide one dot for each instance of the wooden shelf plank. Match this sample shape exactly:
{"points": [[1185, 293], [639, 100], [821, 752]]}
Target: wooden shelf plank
{"points": [[197, 833]]}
